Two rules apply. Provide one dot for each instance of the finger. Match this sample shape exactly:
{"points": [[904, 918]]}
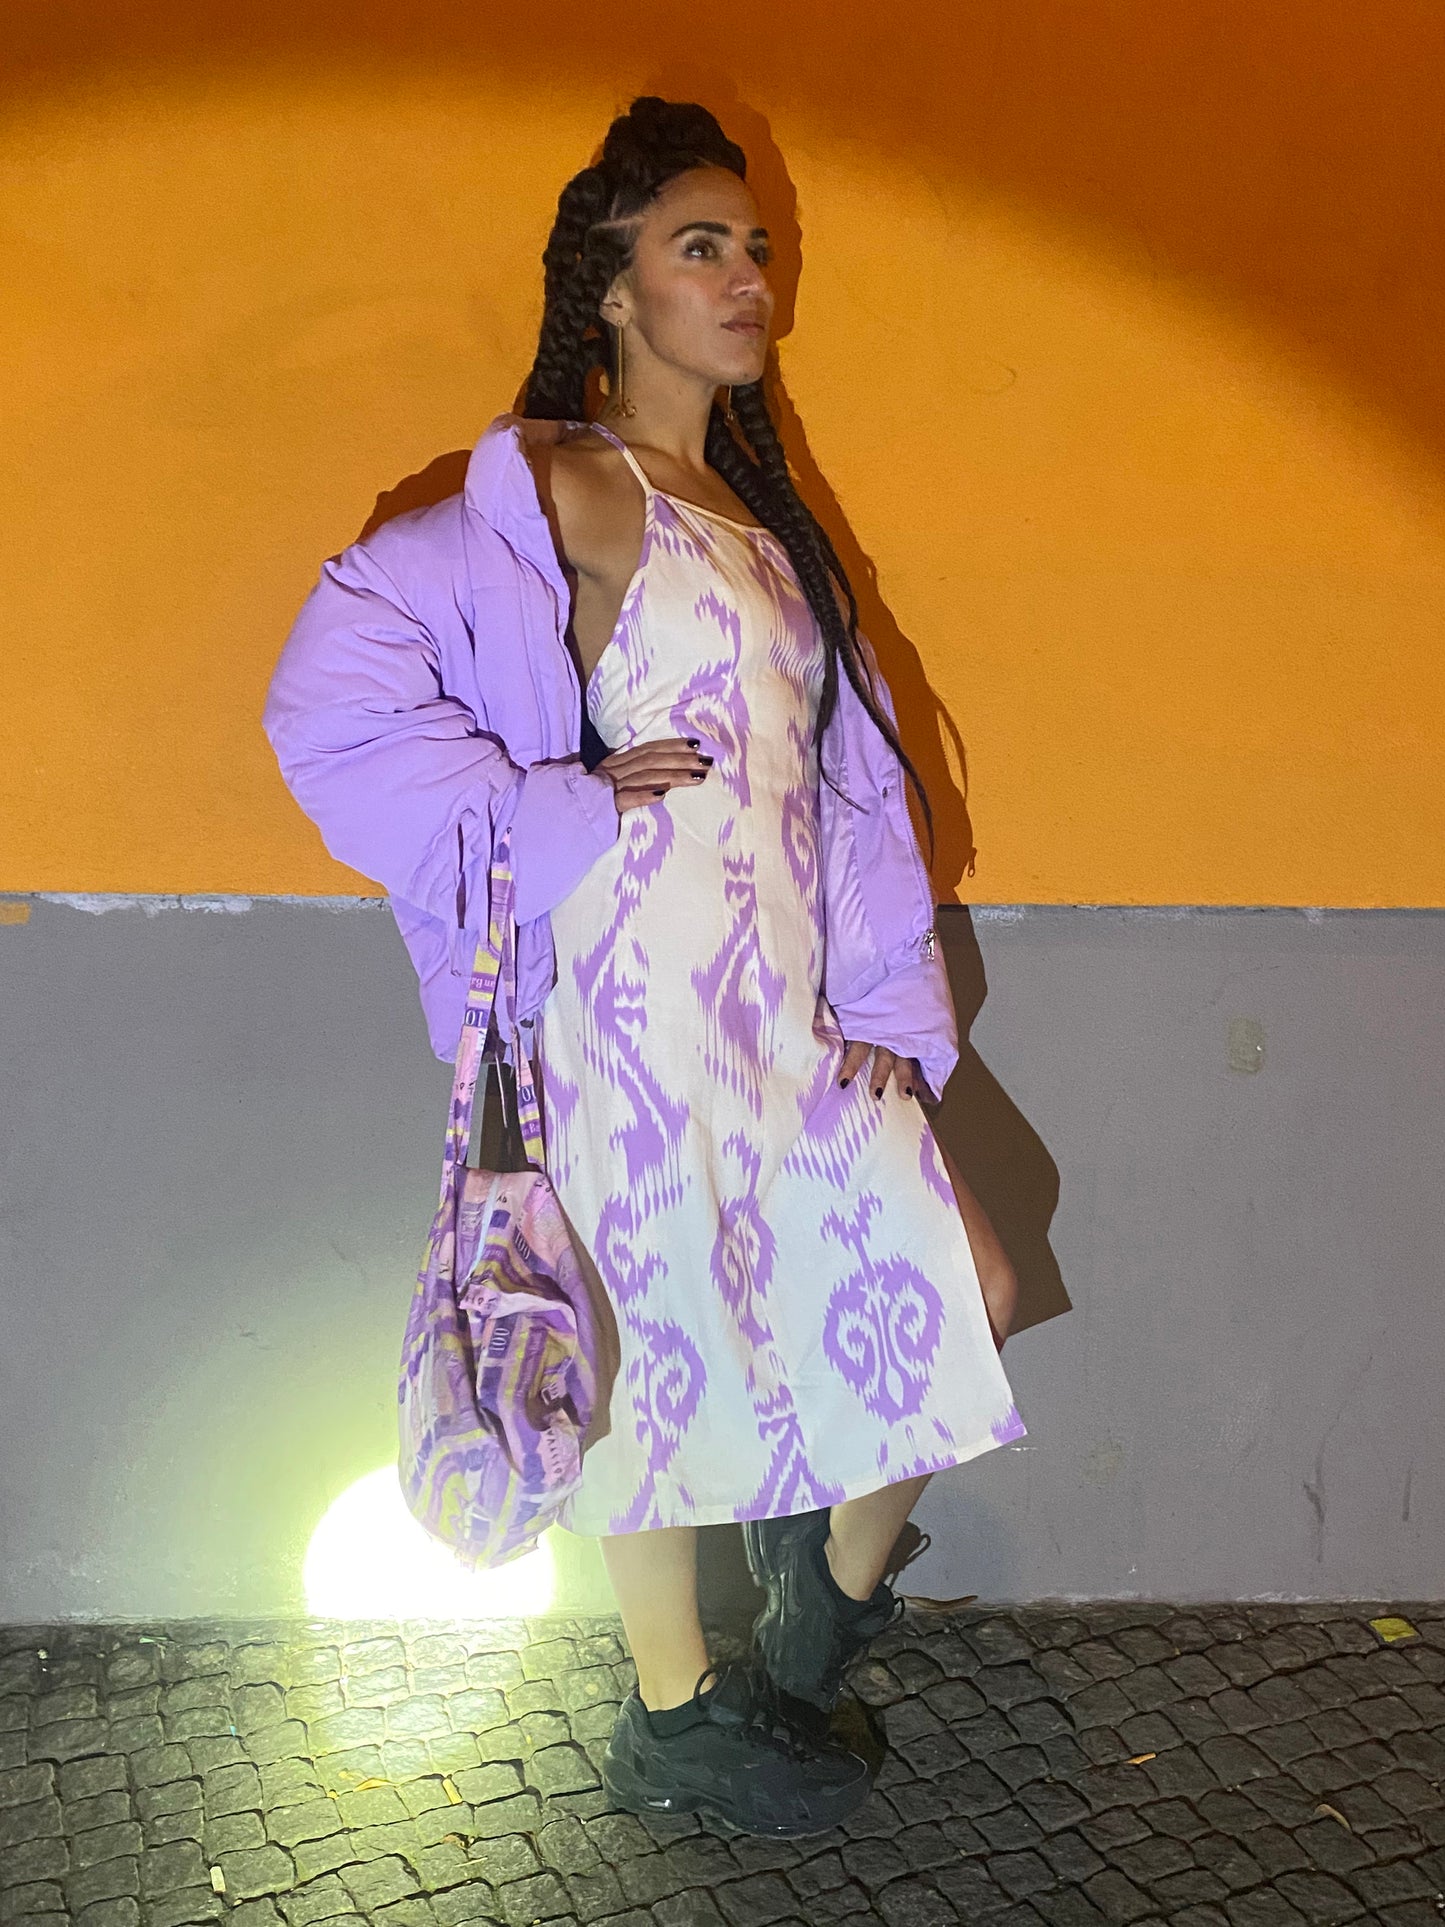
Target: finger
{"points": [[635, 799], [655, 770], [668, 749], [638, 767], [653, 742], [647, 789], [855, 1056], [883, 1061], [905, 1075], [662, 779]]}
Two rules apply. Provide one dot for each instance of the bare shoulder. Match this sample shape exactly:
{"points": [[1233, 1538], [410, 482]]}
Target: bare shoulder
{"points": [[585, 471], [591, 498]]}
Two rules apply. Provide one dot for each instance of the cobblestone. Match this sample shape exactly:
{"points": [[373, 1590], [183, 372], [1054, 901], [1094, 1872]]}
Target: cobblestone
{"points": [[1044, 1768]]}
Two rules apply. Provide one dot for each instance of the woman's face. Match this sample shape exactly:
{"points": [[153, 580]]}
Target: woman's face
{"points": [[696, 291]]}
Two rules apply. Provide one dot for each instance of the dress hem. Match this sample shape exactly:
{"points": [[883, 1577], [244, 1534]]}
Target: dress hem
{"points": [[850, 1489]]}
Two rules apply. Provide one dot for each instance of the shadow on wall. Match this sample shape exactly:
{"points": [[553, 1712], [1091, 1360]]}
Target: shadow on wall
{"points": [[1001, 1155], [1284, 154], [1271, 171]]}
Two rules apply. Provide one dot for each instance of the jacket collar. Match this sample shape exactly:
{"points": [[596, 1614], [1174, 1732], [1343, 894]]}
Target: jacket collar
{"points": [[501, 489]]}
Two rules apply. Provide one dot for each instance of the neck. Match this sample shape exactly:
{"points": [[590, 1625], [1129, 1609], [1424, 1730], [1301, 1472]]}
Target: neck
{"points": [[670, 414]]}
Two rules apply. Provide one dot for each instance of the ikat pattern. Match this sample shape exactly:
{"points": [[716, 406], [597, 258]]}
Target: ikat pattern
{"points": [[798, 1312]]}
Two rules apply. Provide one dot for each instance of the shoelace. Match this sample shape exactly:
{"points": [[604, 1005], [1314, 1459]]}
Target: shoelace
{"points": [[779, 1724], [763, 1714], [849, 1646], [925, 1540]]}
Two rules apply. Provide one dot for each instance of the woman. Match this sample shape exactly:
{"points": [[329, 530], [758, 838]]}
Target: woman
{"points": [[628, 645]]}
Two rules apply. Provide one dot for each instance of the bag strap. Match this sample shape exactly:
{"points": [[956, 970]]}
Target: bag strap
{"points": [[493, 970], [529, 1116]]}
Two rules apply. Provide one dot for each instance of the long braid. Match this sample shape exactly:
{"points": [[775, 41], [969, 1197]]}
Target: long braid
{"points": [[578, 268], [590, 244], [762, 481]]}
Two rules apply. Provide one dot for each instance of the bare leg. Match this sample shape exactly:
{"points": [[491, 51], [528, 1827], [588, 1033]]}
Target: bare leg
{"points": [[996, 1276], [863, 1532], [654, 1575]]}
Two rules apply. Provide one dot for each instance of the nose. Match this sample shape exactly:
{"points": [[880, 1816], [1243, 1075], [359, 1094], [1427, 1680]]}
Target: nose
{"points": [[751, 281]]}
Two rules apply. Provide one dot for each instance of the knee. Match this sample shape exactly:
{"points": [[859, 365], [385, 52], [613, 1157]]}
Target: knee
{"points": [[999, 1284], [997, 1272]]}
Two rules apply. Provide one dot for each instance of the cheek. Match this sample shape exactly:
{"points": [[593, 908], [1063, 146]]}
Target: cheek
{"points": [[681, 314]]}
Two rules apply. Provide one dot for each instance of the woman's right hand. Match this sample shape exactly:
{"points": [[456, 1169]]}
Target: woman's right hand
{"points": [[647, 771]]}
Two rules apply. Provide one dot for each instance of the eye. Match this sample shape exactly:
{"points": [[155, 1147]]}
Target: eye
{"points": [[698, 241]]}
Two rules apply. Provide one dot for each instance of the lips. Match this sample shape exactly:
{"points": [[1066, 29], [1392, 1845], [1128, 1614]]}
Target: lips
{"points": [[745, 327]]}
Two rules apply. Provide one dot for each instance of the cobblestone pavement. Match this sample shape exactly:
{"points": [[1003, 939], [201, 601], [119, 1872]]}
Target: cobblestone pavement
{"points": [[1242, 1766]]}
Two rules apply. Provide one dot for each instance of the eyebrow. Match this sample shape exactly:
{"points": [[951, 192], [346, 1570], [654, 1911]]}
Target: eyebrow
{"points": [[716, 227]]}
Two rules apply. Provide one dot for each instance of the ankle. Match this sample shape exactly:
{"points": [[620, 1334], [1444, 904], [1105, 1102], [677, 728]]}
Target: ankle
{"points": [[666, 1692], [848, 1579]]}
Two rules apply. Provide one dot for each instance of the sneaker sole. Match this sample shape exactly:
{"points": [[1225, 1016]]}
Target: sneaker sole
{"points": [[627, 1789]]}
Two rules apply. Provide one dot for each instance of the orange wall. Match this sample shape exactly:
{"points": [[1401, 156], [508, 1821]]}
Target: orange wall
{"points": [[1116, 338]]}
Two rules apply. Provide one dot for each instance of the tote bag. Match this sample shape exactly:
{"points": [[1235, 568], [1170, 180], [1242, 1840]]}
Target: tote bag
{"points": [[498, 1366]]}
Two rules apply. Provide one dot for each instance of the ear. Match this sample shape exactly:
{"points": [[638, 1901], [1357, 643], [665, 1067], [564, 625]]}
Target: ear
{"points": [[616, 305]]}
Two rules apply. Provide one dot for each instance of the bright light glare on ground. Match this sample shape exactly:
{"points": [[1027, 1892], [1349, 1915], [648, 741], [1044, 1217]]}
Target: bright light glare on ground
{"points": [[369, 1559]]}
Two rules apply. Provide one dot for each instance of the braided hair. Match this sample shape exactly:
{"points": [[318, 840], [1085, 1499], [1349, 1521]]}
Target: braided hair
{"points": [[590, 244]]}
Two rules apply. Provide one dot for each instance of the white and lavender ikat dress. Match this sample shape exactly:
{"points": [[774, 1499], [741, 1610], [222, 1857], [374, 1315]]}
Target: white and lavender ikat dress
{"points": [[797, 1308]]}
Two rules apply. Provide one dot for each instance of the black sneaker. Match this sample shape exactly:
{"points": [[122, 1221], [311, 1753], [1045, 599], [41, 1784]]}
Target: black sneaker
{"points": [[741, 1761], [810, 1631]]}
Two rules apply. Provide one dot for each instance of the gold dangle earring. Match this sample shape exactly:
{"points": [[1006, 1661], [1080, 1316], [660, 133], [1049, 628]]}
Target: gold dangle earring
{"points": [[617, 398]]}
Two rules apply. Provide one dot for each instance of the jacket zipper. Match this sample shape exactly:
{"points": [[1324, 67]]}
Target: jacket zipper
{"points": [[892, 791]]}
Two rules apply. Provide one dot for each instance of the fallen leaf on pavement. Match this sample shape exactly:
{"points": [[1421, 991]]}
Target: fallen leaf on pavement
{"points": [[1392, 1629]]}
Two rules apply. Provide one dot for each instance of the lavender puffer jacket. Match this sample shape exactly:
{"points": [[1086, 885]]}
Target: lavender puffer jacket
{"points": [[425, 699]]}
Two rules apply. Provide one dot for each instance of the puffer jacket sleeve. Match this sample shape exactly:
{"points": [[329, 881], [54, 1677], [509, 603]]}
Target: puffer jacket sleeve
{"points": [[910, 1012], [565, 817], [905, 1003], [398, 775]]}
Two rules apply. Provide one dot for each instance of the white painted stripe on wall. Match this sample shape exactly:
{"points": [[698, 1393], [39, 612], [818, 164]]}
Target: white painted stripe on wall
{"points": [[153, 906], [97, 903]]}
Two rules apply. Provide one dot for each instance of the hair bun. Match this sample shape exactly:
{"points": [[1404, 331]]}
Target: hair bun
{"points": [[678, 132]]}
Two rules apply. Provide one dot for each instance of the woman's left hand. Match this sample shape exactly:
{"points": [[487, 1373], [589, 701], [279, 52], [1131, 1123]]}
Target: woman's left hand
{"points": [[903, 1070]]}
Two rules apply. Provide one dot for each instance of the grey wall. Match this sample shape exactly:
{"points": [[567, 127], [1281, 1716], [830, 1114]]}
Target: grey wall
{"points": [[218, 1155]]}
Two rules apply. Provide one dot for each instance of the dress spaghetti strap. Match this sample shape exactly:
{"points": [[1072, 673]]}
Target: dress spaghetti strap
{"points": [[627, 454]]}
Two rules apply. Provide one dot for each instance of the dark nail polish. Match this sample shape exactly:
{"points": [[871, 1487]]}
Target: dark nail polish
{"points": [[908, 1090], [693, 741], [698, 775], [659, 792], [878, 1090], [844, 1080]]}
